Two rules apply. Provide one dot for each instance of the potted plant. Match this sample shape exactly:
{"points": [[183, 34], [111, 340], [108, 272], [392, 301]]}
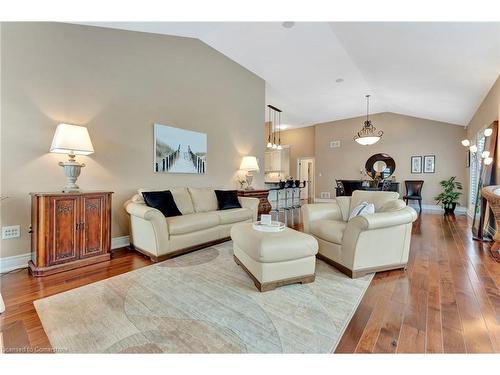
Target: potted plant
{"points": [[448, 198]]}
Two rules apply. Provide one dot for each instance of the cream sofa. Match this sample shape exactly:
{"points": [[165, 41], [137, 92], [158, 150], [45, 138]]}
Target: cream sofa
{"points": [[367, 243], [200, 225]]}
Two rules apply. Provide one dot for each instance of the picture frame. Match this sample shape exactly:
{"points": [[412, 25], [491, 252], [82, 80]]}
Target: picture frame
{"points": [[179, 150], [416, 164], [429, 163]]}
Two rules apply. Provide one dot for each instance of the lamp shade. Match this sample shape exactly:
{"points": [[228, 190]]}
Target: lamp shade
{"points": [[249, 163], [71, 139]]}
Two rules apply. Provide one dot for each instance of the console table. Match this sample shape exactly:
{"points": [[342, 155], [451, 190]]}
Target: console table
{"points": [[262, 194], [351, 185]]}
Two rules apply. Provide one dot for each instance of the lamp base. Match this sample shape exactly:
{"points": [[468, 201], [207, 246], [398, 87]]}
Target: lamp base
{"points": [[72, 170], [249, 179]]}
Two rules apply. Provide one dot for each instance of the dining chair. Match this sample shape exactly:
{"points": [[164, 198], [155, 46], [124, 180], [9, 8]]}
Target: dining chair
{"points": [[340, 188], [386, 185], [414, 192]]}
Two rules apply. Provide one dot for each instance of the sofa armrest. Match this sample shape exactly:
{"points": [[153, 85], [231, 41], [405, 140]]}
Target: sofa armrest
{"points": [[149, 228], [319, 211], [251, 203], [406, 215]]}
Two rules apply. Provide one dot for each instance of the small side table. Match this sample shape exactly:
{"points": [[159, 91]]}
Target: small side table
{"points": [[264, 205]]}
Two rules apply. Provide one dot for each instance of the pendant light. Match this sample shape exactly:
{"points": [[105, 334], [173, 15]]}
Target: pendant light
{"points": [[269, 144], [274, 127], [368, 135], [279, 131]]}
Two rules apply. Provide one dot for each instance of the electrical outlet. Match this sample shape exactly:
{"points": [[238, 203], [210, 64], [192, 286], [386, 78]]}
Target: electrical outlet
{"points": [[325, 195], [334, 144], [14, 231]]}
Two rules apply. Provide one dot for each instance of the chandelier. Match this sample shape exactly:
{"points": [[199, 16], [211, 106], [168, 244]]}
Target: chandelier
{"points": [[274, 127], [368, 135]]}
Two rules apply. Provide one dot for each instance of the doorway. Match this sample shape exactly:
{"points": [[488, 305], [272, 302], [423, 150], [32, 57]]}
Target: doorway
{"points": [[305, 172]]}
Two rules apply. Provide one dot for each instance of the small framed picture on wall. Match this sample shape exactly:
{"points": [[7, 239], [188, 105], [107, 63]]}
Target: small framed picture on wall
{"points": [[416, 164], [429, 164]]}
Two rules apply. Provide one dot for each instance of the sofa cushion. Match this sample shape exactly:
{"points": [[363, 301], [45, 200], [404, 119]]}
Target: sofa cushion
{"points": [[192, 222], [329, 230], [392, 206], [378, 198], [181, 196], [204, 199], [163, 201], [227, 199], [234, 215]]}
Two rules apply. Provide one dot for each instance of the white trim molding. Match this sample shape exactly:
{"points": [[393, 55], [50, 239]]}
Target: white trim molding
{"points": [[12, 263]]}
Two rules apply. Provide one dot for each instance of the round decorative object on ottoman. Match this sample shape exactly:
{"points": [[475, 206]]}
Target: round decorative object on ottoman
{"points": [[274, 259]]}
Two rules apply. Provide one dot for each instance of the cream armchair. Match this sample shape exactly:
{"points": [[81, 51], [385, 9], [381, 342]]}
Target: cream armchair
{"points": [[366, 243]]}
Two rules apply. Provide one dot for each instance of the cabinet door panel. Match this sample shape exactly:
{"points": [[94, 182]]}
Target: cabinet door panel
{"points": [[63, 235], [93, 224]]}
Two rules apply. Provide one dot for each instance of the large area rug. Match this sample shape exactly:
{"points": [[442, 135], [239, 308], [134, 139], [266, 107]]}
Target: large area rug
{"points": [[201, 302]]}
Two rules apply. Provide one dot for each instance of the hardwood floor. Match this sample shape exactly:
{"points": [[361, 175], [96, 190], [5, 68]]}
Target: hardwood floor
{"points": [[448, 300]]}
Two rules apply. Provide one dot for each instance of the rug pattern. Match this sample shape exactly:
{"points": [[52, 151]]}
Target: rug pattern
{"points": [[201, 302]]}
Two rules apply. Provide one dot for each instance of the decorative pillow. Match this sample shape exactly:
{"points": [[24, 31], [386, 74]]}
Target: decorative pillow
{"points": [[163, 201], [363, 209], [181, 196], [227, 199]]}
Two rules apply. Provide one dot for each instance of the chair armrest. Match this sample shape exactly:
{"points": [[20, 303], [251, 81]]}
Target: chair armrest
{"points": [[148, 222], [319, 211], [406, 215], [142, 211], [251, 203]]}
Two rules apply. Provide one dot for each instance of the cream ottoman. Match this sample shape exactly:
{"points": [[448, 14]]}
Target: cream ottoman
{"points": [[274, 259]]}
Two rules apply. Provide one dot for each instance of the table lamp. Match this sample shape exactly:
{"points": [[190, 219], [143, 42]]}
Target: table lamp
{"points": [[249, 164], [72, 140]]}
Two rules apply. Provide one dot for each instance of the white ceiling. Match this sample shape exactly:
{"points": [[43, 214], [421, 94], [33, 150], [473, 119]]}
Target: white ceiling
{"points": [[439, 71]]}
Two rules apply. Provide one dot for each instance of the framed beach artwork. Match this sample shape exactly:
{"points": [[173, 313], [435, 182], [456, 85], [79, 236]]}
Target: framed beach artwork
{"points": [[429, 164], [416, 164], [179, 150]]}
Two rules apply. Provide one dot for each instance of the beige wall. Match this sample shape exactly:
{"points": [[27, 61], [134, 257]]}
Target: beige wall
{"points": [[117, 83], [487, 112], [404, 136], [301, 143]]}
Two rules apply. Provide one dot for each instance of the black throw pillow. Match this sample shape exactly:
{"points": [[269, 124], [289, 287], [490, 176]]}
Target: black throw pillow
{"points": [[227, 199], [163, 201]]}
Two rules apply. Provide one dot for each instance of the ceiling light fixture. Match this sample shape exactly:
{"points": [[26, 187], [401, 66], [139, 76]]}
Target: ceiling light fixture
{"points": [[368, 135], [275, 127], [488, 132], [288, 24], [466, 143]]}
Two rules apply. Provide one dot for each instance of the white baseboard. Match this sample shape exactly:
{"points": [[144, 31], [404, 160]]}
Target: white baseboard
{"points": [[21, 261], [117, 242], [324, 200], [14, 262]]}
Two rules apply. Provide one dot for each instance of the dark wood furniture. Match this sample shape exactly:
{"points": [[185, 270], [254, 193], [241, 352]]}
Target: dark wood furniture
{"points": [[264, 205], [350, 185], [69, 230], [414, 192]]}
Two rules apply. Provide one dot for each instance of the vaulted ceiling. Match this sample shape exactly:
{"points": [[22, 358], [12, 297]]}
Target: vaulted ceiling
{"points": [[319, 71]]}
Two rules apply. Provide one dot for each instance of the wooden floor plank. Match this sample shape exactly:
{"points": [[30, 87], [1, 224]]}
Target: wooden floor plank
{"points": [[447, 301]]}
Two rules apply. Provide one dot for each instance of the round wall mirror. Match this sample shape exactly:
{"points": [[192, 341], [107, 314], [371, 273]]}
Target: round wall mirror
{"points": [[380, 166]]}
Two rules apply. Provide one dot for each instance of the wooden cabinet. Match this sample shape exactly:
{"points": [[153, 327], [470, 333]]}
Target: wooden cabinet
{"points": [[264, 205], [69, 230]]}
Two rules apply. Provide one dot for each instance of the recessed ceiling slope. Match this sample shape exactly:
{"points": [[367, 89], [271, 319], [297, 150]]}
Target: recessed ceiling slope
{"points": [[438, 71]]}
